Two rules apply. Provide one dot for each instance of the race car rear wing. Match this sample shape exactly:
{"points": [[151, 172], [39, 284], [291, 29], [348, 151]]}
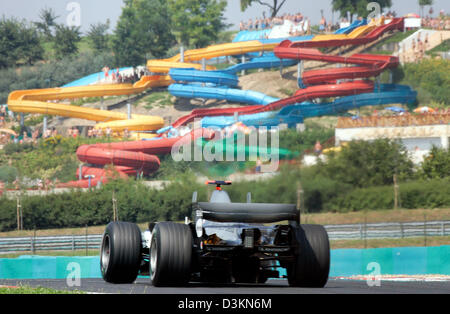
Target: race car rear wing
{"points": [[246, 212]]}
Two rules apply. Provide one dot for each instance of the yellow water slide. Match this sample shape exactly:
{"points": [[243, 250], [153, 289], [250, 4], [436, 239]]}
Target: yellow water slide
{"points": [[40, 101], [356, 33], [229, 49]]}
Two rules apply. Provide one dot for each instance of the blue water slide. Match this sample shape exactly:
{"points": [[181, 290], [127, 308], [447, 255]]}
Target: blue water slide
{"points": [[353, 26], [291, 115], [251, 35], [386, 94], [215, 77], [220, 93], [264, 62]]}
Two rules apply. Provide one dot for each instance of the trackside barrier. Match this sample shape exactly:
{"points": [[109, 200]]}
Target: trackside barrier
{"points": [[335, 232], [344, 262]]}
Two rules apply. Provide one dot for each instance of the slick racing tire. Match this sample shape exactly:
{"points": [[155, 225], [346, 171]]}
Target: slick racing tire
{"points": [[171, 254], [312, 259], [120, 254]]}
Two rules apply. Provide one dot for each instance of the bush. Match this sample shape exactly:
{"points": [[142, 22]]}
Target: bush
{"points": [[430, 77], [414, 194], [8, 174], [135, 203], [362, 163], [436, 164]]}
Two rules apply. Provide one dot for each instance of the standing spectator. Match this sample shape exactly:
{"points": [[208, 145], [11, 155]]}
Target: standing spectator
{"points": [[25, 137], [323, 24], [241, 26], [35, 135], [318, 148], [106, 72], [108, 132], [250, 25], [258, 165]]}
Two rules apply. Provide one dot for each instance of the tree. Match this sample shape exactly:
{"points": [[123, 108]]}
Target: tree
{"points": [[436, 164], [143, 30], [19, 43], [65, 41], [273, 6], [197, 23], [47, 22], [423, 3], [363, 164], [97, 36], [358, 7]]}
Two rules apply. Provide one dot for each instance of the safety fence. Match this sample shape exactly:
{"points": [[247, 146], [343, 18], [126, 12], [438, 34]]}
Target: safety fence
{"points": [[335, 232], [54, 243], [388, 230]]}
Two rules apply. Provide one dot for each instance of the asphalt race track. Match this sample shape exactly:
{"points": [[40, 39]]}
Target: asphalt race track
{"points": [[334, 286]]}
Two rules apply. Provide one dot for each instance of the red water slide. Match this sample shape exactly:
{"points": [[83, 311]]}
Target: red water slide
{"points": [[395, 24], [127, 158], [368, 65]]}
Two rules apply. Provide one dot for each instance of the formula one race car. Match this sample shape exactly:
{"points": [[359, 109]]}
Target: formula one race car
{"points": [[226, 242]]}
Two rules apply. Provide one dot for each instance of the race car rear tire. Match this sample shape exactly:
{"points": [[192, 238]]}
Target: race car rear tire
{"points": [[120, 253], [171, 254], [312, 259]]}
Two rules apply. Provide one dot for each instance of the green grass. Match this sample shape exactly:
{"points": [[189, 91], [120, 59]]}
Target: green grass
{"points": [[157, 99], [396, 38], [444, 47], [35, 290]]}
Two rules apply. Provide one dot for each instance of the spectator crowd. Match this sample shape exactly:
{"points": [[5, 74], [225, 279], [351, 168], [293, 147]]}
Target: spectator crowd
{"points": [[116, 76], [440, 22], [264, 22]]}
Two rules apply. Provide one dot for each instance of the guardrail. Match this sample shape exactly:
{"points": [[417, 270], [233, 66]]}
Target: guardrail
{"points": [[335, 232], [389, 230], [54, 243]]}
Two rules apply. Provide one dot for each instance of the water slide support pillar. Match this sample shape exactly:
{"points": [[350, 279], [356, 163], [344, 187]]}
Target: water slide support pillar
{"points": [[80, 168], [102, 107], [182, 54], [22, 120], [45, 125], [128, 111], [203, 64], [243, 61], [300, 69], [391, 77]]}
